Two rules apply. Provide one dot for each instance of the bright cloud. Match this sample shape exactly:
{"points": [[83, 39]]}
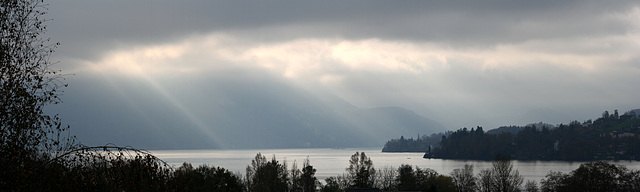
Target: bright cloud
{"points": [[323, 59], [504, 76]]}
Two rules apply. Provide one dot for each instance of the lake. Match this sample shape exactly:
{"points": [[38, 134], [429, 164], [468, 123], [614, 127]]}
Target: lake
{"points": [[332, 162]]}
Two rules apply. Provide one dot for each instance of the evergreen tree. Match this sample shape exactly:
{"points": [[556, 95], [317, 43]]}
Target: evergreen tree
{"points": [[308, 180], [265, 175]]}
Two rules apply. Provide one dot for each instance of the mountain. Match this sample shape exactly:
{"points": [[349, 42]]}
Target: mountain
{"points": [[231, 113]]}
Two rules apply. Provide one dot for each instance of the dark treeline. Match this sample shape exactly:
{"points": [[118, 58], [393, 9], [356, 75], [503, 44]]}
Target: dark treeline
{"points": [[140, 172], [110, 168], [610, 137], [420, 144]]}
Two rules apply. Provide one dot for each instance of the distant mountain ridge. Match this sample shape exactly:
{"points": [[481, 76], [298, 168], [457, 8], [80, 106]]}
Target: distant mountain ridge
{"points": [[242, 113]]}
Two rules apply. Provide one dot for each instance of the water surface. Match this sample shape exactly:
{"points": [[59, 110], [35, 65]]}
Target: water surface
{"points": [[332, 162]]}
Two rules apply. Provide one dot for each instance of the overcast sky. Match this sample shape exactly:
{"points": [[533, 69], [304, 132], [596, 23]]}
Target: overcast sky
{"points": [[461, 63]]}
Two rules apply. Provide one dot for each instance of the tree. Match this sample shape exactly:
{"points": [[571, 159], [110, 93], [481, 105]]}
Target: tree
{"points": [[336, 184], [406, 179], [552, 182], [531, 186], [217, 179], [361, 171], [295, 184], [605, 115], [265, 175], [410, 179], [28, 84], [507, 179], [502, 177], [464, 179], [485, 181], [332, 185], [185, 178], [631, 181], [444, 184], [386, 178], [593, 176], [308, 180], [596, 176]]}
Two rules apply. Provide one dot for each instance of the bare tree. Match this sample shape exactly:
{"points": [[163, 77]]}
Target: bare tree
{"points": [[502, 177], [464, 179], [386, 178], [485, 181], [506, 178]]}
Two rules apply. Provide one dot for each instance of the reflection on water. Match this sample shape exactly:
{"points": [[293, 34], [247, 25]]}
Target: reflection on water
{"points": [[332, 162]]}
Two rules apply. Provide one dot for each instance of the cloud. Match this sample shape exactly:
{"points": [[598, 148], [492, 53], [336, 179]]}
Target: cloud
{"points": [[116, 24], [374, 72], [491, 60]]}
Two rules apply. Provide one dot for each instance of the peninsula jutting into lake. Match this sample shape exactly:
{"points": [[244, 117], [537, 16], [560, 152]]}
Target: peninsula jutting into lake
{"points": [[610, 137]]}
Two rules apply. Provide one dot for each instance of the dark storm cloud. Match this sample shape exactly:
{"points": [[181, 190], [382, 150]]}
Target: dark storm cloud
{"points": [[89, 25]]}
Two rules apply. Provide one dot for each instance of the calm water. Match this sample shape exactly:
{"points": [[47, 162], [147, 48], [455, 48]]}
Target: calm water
{"points": [[332, 162]]}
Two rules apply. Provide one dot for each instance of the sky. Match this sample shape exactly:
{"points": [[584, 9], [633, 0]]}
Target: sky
{"points": [[460, 63]]}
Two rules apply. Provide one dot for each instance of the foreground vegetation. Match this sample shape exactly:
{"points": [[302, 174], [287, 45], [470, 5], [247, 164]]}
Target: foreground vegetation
{"points": [[111, 168]]}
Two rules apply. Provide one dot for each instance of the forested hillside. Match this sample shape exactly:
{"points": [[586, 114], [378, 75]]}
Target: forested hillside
{"points": [[420, 144], [610, 137]]}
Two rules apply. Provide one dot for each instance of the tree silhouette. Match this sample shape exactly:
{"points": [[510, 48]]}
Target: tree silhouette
{"points": [[531, 186], [308, 180], [409, 179], [593, 176], [464, 179], [406, 179], [501, 177], [27, 82], [361, 171], [596, 176], [553, 181], [204, 178], [27, 85], [265, 175]]}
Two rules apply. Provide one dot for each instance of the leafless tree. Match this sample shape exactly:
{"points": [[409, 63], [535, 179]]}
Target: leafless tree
{"points": [[502, 177], [386, 178], [464, 179]]}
